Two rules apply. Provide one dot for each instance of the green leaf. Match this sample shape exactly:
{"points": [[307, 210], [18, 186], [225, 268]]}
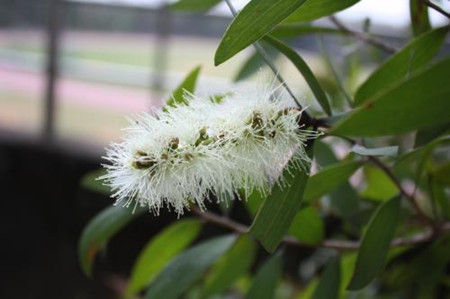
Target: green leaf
{"points": [[188, 267], [308, 227], [329, 179], [348, 262], [266, 280], [308, 291], [304, 69], [91, 182], [439, 196], [99, 230], [419, 17], [194, 5], [401, 65], [442, 174], [315, 9], [254, 63], [421, 153], [160, 251], [379, 151], [427, 135], [257, 19], [417, 103], [254, 202], [295, 30], [343, 198], [329, 283], [231, 266], [279, 209], [375, 244], [379, 185], [188, 85]]}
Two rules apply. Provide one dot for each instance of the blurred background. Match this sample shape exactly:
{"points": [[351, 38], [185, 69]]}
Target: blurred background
{"points": [[70, 71]]}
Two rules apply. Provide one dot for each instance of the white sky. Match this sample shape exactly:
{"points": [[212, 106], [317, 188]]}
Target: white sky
{"points": [[393, 13]]}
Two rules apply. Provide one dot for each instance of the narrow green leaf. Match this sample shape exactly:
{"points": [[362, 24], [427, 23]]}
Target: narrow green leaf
{"points": [[231, 266], [187, 267], [329, 179], [420, 21], [348, 262], [194, 5], [254, 202], [295, 30], [440, 198], [375, 244], [99, 230], [421, 153], [91, 182], [254, 63], [442, 174], [417, 103], [257, 19], [315, 9], [323, 154], [379, 151], [344, 199], [329, 283], [266, 280], [402, 65], [279, 209], [379, 185], [309, 290], [188, 85], [308, 227], [160, 251], [304, 69], [427, 135]]}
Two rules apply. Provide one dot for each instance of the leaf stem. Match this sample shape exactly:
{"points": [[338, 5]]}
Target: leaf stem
{"points": [[436, 8], [363, 37], [397, 183]]}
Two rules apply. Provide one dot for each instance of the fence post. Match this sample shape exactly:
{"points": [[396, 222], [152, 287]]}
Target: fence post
{"points": [[161, 48], [51, 68]]}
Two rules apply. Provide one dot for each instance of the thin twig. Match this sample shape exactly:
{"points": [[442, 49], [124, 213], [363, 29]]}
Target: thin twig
{"points": [[221, 221], [422, 237], [436, 8], [363, 37], [397, 183]]}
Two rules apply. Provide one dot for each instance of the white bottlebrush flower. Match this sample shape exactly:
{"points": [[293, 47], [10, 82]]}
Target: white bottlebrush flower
{"points": [[188, 152]]}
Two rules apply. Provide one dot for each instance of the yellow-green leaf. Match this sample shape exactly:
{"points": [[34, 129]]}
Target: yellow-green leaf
{"points": [[307, 226], [161, 250], [188, 85]]}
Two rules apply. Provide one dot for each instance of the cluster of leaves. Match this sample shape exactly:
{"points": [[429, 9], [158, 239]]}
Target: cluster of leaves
{"points": [[395, 128]]}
